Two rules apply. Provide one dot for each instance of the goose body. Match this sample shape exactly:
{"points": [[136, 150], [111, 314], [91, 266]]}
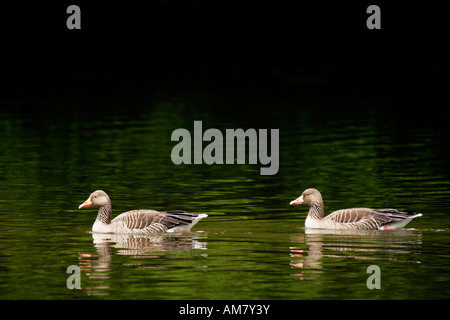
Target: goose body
{"points": [[355, 218], [138, 221]]}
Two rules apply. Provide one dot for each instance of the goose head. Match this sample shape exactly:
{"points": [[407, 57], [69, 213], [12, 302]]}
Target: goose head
{"points": [[98, 198], [309, 197]]}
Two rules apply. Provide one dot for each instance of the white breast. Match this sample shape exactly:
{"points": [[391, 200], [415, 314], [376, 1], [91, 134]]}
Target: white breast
{"points": [[313, 223], [101, 227]]}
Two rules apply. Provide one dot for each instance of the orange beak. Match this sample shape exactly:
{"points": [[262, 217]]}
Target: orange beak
{"points": [[86, 204], [299, 200]]}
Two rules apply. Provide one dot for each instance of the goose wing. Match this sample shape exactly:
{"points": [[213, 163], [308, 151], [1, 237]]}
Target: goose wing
{"points": [[152, 221], [350, 215], [366, 218]]}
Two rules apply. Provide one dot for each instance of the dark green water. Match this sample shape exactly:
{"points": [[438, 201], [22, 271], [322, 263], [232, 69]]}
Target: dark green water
{"points": [[358, 151]]}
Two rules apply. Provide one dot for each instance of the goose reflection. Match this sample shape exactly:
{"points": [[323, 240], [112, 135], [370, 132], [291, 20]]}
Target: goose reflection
{"points": [[98, 267], [309, 249]]}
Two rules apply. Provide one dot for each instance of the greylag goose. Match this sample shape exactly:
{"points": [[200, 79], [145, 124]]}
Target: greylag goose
{"points": [[138, 221], [356, 218]]}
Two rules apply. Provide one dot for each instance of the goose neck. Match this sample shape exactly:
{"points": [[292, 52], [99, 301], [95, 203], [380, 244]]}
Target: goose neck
{"points": [[316, 210], [104, 213]]}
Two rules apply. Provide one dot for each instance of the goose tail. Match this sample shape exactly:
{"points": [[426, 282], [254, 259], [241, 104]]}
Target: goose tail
{"points": [[192, 221], [398, 219]]}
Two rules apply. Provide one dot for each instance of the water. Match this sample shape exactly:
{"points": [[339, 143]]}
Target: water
{"points": [[358, 151]]}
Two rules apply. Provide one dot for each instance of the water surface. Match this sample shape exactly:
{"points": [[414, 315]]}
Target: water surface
{"points": [[359, 152]]}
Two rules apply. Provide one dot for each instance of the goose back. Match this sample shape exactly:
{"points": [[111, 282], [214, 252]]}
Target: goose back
{"points": [[152, 221], [369, 219]]}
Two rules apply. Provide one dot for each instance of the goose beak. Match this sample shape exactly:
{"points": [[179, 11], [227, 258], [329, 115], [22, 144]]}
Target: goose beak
{"points": [[86, 204], [299, 200]]}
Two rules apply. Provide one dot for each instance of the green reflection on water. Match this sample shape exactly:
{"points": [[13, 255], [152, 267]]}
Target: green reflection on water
{"points": [[252, 245]]}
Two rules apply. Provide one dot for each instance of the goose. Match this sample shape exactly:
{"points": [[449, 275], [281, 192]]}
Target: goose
{"points": [[138, 221], [355, 218]]}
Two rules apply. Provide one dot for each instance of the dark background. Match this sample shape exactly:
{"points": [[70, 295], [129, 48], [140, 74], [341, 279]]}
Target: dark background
{"points": [[131, 47]]}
